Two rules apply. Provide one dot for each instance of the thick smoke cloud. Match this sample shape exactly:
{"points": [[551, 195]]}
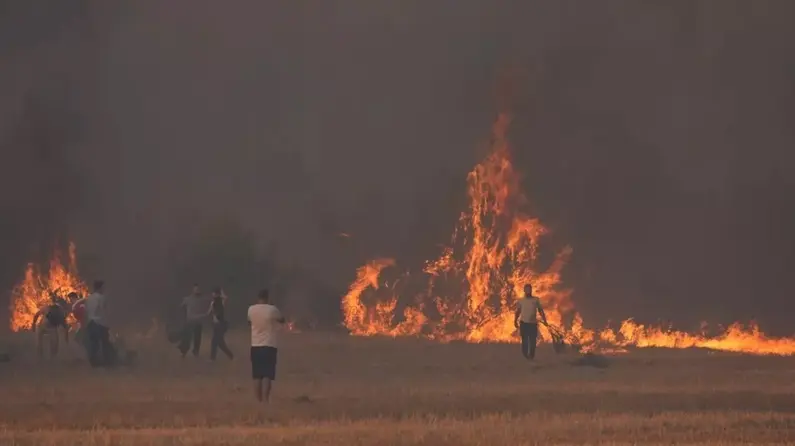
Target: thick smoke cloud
{"points": [[654, 138], [45, 49]]}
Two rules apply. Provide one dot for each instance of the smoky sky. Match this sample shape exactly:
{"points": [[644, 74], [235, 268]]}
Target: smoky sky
{"points": [[653, 137]]}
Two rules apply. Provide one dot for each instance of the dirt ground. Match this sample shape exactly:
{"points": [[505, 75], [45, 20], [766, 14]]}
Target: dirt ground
{"points": [[338, 390]]}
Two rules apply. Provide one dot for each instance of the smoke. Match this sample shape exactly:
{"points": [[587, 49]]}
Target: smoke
{"points": [[654, 138], [42, 49]]}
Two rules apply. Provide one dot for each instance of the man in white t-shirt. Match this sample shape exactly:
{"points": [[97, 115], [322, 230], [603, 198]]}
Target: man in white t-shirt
{"points": [[100, 350], [266, 320], [528, 308]]}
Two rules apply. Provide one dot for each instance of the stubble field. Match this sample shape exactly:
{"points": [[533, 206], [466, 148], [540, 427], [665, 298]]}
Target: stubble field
{"points": [[338, 390]]}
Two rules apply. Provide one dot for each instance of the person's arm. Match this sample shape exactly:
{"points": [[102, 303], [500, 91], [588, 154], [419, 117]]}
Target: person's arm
{"points": [[279, 317], [183, 306], [36, 317], [66, 332], [76, 303], [517, 314], [541, 312]]}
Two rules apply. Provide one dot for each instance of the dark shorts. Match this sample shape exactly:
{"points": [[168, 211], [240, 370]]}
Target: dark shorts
{"points": [[263, 362]]}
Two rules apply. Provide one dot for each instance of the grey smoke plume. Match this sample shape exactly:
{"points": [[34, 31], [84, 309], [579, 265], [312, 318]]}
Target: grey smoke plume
{"points": [[655, 138]]}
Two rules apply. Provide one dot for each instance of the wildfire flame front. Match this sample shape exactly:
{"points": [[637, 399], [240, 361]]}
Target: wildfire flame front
{"points": [[469, 292]]}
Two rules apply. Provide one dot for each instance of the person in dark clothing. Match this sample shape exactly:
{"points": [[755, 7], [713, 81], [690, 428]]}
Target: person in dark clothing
{"points": [[100, 349], [220, 326], [528, 310], [52, 317], [195, 311]]}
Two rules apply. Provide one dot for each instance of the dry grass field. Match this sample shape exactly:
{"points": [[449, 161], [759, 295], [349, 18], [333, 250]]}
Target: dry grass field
{"points": [[338, 390]]}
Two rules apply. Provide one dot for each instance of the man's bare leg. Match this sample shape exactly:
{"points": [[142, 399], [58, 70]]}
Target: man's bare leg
{"points": [[258, 389], [267, 390]]}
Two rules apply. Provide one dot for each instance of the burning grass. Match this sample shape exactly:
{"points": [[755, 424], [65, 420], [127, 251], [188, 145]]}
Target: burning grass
{"points": [[469, 292], [373, 391]]}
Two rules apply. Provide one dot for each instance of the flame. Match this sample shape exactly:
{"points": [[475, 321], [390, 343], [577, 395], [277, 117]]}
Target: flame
{"points": [[469, 292], [33, 292]]}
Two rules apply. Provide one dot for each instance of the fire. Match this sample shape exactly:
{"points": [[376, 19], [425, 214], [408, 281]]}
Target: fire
{"points": [[469, 292], [33, 292]]}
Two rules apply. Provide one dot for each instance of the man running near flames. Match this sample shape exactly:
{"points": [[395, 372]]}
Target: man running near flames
{"points": [[53, 317], [528, 308]]}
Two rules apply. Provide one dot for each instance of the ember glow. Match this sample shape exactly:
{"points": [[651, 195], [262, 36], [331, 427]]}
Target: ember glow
{"points": [[468, 293], [33, 292]]}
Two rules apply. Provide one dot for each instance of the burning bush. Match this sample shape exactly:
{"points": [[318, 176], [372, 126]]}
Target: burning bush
{"points": [[34, 291]]}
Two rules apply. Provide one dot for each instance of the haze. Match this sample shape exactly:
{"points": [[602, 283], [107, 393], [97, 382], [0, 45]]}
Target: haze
{"points": [[654, 137]]}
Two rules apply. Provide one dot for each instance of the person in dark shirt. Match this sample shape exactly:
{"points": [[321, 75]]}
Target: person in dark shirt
{"points": [[47, 321], [220, 325]]}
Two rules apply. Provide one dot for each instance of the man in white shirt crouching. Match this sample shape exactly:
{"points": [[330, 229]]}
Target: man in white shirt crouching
{"points": [[265, 320]]}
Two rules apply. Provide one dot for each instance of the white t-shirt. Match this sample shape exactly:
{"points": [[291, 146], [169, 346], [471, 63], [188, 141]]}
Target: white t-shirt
{"points": [[528, 307], [264, 325], [95, 308]]}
